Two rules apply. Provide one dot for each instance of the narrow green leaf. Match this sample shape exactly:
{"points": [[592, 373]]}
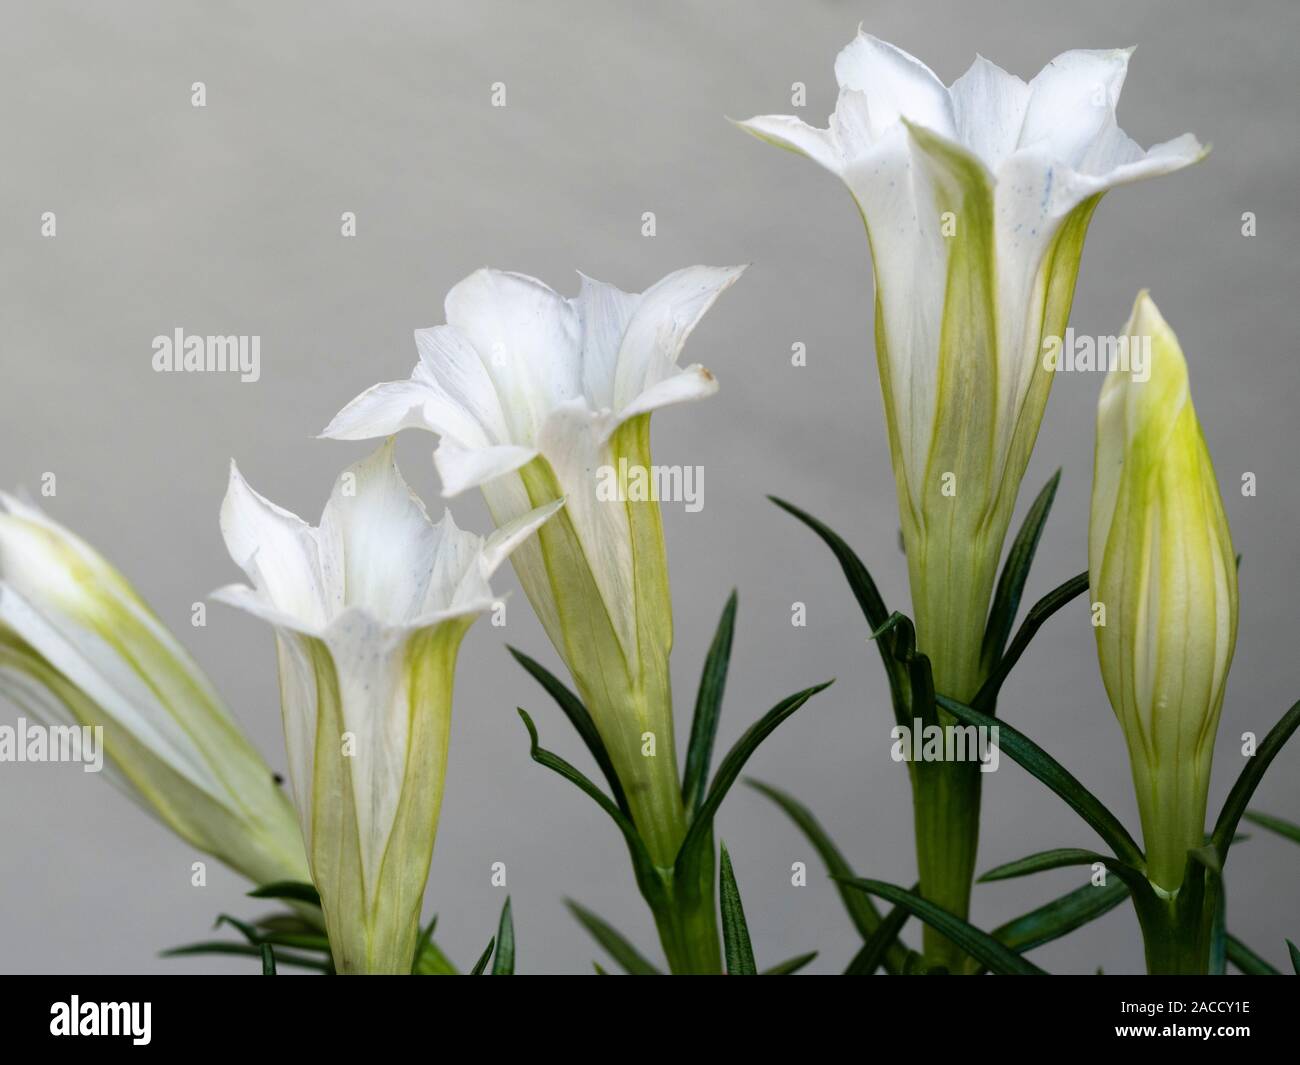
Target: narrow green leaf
{"points": [[1040, 764], [615, 945], [255, 936], [898, 636], [733, 763], [268, 960], [1011, 584], [792, 966], [868, 959], [1247, 960], [433, 962], [862, 911], [1238, 798], [859, 578], [1058, 597], [1295, 956], [300, 961], [421, 944], [581, 720], [867, 595], [737, 949], [248, 931], [1060, 858], [1219, 930], [504, 963], [641, 861], [708, 708], [287, 922], [1289, 829], [600, 971], [480, 966], [291, 890], [979, 945], [1061, 916]]}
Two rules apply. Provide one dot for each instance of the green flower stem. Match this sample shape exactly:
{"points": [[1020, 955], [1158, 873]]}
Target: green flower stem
{"points": [[686, 916], [650, 781], [1177, 936], [946, 810]]}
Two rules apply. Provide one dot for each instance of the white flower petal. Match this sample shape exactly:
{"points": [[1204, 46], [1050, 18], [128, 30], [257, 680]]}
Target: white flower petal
{"points": [[667, 313], [694, 382], [506, 539], [1072, 100], [460, 467], [277, 549], [377, 542], [527, 336], [795, 135], [989, 109], [381, 410], [896, 85], [111, 681]]}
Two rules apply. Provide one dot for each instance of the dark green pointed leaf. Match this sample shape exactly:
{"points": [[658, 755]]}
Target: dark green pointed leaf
{"points": [[421, 944], [1219, 931], [1060, 858], [700, 828], [615, 945], [300, 961], [862, 911], [737, 949], [641, 861], [1011, 584], [898, 636], [268, 960], [256, 937], [1295, 956], [1061, 916], [708, 708], [1289, 829], [873, 952], [863, 587], [433, 962], [249, 932], [868, 598], [1058, 597], [287, 922], [480, 966], [582, 722], [1238, 798], [979, 945], [790, 967], [290, 890], [504, 962], [1247, 960], [1040, 764]]}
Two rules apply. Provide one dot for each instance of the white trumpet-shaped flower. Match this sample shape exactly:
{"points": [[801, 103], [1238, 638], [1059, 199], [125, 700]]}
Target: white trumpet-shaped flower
{"points": [[1161, 567], [369, 609], [976, 199], [79, 648], [538, 397]]}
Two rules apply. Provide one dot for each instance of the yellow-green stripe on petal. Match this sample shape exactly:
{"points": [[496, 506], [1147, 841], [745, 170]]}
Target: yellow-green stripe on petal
{"points": [[1164, 588]]}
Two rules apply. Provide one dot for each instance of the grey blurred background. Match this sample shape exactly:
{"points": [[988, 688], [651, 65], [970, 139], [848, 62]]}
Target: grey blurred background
{"points": [[226, 220]]}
